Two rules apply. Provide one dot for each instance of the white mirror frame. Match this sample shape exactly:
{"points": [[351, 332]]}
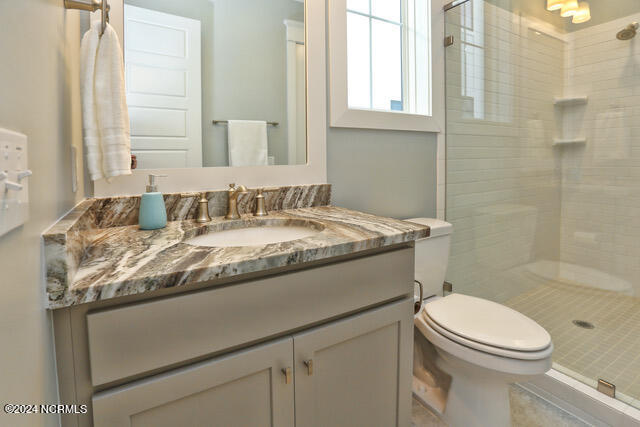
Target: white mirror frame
{"points": [[208, 178], [343, 116]]}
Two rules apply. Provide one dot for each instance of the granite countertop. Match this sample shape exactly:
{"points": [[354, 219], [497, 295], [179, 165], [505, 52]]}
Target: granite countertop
{"points": [[102, 263]]}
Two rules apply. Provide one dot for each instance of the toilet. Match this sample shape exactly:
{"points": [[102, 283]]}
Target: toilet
{"points": [[483, 346]]}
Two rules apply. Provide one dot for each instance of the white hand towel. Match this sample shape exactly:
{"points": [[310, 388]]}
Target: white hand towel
{"points": [[88, 52], [105, 114], [247, 143], [111, 103]]}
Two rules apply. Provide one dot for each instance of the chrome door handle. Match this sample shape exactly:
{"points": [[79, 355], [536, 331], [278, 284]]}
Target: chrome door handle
{"points": [[309, 365], [287, 375]]}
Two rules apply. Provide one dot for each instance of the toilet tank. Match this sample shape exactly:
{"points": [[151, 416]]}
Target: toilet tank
{"points": [[432, 255]]}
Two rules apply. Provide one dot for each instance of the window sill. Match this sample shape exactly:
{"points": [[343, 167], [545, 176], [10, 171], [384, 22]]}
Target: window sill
{"points": [[390, 120]]}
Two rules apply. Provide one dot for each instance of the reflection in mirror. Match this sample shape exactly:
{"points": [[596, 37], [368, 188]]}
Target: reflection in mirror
{"points": [[216, 82], [388, 55]]}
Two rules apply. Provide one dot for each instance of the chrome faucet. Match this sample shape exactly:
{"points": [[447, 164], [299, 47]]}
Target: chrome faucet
{"points": [[234, 192]]}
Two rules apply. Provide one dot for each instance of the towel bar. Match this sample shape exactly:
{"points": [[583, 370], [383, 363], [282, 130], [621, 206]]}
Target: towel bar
{"points": [[94, 5], [224, 122]]}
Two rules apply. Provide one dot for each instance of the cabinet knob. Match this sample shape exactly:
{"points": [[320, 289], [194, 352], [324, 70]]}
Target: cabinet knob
{"points": [[287, 375], [309, 365]]}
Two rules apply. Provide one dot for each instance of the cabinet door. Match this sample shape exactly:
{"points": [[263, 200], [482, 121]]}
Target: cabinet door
{"points": [[245, 388], [356, 371]]}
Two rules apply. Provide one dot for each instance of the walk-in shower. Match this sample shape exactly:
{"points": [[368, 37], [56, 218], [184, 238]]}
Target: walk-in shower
{"points": [[543, 175]]}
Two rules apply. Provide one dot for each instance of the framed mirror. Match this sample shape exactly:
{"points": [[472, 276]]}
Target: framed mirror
{"points": [[229, 90]]}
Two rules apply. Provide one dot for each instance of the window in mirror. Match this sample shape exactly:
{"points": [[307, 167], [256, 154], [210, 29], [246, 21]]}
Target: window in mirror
{"points": [[216, 83], [388, 55], [487, 91]]}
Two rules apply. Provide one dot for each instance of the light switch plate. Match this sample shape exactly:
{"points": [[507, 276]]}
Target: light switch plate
{"points": [[14, 204]]}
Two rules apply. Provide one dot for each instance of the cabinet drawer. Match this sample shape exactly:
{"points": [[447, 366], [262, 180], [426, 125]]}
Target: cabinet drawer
{"points": [[131, 340]]}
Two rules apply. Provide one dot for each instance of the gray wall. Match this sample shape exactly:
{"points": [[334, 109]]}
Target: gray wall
{"points": [[390, 173], [250, 82], [39, 89], [243, 66]]}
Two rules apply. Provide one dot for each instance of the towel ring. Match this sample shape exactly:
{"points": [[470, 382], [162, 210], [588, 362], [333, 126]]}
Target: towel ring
{"points": [[94, 5]]}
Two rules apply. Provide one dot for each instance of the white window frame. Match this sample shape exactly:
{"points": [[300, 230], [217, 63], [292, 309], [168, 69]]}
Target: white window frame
{"points": [[343, 116]]}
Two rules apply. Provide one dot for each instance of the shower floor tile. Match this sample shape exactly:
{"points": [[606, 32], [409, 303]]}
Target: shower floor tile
{"points": [[610, 350]]}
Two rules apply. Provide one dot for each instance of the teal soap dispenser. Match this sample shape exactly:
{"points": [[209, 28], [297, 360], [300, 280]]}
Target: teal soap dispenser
{"points": [[153, 212]]}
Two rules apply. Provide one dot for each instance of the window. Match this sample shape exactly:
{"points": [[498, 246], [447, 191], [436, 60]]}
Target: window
{"points": [[486, 68], [388, 52], [382, 71], [472, 60]]}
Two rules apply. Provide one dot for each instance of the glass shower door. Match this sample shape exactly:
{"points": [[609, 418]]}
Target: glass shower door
{"points": [[543, 189]]}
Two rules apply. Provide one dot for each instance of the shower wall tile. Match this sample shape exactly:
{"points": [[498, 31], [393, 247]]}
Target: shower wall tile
{"points": [[600, 190]]}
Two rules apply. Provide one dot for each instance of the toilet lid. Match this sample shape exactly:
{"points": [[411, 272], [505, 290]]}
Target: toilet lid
{"points": [[488, 323]]}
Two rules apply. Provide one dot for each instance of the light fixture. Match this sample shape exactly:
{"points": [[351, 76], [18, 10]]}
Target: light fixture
{"points": [[583, 14], [554, 4], [569, 8]]}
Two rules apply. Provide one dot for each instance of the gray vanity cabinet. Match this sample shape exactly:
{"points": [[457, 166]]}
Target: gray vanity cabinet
{"points": [[215, 356], [351, 372], [245, 388], [355, 372]]}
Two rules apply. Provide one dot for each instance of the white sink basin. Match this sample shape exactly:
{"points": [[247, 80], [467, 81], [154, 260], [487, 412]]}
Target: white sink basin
{"points": [[253, 234]]}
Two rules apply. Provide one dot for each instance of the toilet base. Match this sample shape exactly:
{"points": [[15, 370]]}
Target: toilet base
{"points": [[478, 396]]}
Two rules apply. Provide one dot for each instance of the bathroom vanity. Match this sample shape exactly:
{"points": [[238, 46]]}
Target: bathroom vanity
{"points": [[153, 331]]}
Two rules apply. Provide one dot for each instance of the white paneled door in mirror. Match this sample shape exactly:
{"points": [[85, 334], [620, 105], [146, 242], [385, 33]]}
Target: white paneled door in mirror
{"points": [[163, 84], [216, 83]]}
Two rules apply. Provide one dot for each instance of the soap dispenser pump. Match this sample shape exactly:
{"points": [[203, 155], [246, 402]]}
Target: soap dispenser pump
{"points": [[153, 212]]}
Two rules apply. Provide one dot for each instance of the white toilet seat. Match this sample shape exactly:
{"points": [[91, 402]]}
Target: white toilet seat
{"points": [[485, 324], [484, 359], [497, 351]]}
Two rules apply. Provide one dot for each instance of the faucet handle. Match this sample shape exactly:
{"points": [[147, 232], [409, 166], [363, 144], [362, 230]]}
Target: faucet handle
{"points": [[261, 190], [241, 189], [261, 209], [203, 209]]}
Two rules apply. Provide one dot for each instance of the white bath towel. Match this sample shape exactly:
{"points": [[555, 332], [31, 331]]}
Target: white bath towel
{"points": [[105, 114], [247, 143], [88, 53]]}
